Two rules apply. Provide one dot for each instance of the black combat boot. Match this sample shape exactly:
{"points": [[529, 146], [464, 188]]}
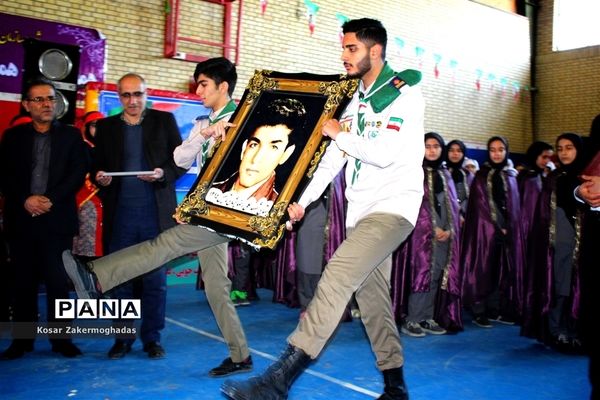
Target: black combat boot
{"points": [[274, 383], [395, 389]]}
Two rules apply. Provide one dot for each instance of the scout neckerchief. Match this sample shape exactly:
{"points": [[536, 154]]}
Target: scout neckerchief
{"points": [[380, 97], [224, 113]]}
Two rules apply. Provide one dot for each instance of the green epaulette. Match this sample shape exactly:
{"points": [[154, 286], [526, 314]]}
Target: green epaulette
{"points": [[410, 76], [388, 93]]}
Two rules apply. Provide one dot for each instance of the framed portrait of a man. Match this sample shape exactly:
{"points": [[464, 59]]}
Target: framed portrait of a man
{"points": [[267, 157]]}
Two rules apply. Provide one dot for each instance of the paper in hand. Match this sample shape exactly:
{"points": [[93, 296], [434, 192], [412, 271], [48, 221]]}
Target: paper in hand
{"points": [[129, 173]]}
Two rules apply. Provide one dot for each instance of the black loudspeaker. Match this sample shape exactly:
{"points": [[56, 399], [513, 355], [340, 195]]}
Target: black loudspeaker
{"points": [[58, 63]]}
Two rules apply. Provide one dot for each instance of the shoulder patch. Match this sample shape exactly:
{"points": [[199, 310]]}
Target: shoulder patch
{"points": [[397, 82], [410, 76]]}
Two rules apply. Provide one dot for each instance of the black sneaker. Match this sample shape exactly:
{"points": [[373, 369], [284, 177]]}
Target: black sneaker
{"points": [[430, 326], [229, 367], [561, 343], [412, 329], [83, 279], [577, 346], [482, 322], [503, 320]]}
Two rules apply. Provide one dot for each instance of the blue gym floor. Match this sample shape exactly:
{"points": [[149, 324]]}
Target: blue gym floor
{"points": [[475, 364]]}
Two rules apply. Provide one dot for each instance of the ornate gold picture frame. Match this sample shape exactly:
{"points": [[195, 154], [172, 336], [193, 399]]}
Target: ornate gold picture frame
{"points": [[256, 154]]}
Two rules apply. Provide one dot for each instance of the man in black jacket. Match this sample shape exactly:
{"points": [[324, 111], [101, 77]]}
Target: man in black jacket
{"points": [[42, 166], [138, 207]]}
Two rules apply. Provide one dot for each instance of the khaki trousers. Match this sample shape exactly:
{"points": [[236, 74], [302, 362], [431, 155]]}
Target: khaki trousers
{"points": [[129, 263], [361, 264]]}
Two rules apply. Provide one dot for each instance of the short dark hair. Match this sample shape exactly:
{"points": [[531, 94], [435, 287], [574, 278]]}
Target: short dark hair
{"points": [[287, 111], [36, 81], [219, 69], [369, 31]]}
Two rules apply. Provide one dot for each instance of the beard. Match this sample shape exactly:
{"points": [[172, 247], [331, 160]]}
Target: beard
{"points": [[363, 67]]}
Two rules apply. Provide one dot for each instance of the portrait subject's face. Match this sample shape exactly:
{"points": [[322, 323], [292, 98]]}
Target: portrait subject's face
{"points": [[497, 151], [262, 153]]}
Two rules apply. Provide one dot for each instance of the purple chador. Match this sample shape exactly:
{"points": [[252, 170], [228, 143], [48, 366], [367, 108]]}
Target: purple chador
{"points": [[530, 183], [530, 187], [540, 292], [480, 233], [415, 260]]}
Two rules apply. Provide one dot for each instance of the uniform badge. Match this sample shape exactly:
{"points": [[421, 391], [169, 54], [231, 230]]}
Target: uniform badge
{"points": [[395, 123]]}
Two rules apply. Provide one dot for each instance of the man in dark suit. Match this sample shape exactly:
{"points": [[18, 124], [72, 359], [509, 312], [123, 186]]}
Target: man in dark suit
{"points": [[42, 165], [138, 207]]}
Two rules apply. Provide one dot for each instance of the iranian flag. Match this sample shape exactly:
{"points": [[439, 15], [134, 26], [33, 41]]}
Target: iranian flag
{"points": [[395, 123]]}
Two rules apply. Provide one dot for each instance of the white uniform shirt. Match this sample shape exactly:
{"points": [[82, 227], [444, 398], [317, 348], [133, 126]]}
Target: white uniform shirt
{"points": [[390, 152], [191, 148]]}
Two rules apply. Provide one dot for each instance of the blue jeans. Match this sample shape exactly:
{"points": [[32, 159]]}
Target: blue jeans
{"points": [[133, 225]]}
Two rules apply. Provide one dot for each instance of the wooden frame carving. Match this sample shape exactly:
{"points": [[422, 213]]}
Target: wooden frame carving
{"points": [[319, 98]]}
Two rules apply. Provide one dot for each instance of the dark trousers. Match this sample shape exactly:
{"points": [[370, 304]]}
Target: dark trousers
{"points": [[37, 258], [241, 279], [310, 241], [135, 225]]}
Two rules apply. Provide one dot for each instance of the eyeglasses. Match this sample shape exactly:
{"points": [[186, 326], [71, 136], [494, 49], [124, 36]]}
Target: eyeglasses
{"points": [[41, 99], [128, 95]]}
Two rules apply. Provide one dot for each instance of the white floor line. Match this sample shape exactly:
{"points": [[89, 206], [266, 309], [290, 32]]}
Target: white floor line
{"points": [[328, 378]]}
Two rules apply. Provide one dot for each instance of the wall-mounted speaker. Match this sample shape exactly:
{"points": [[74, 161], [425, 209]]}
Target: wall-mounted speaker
{"points": [[58, 63]]}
